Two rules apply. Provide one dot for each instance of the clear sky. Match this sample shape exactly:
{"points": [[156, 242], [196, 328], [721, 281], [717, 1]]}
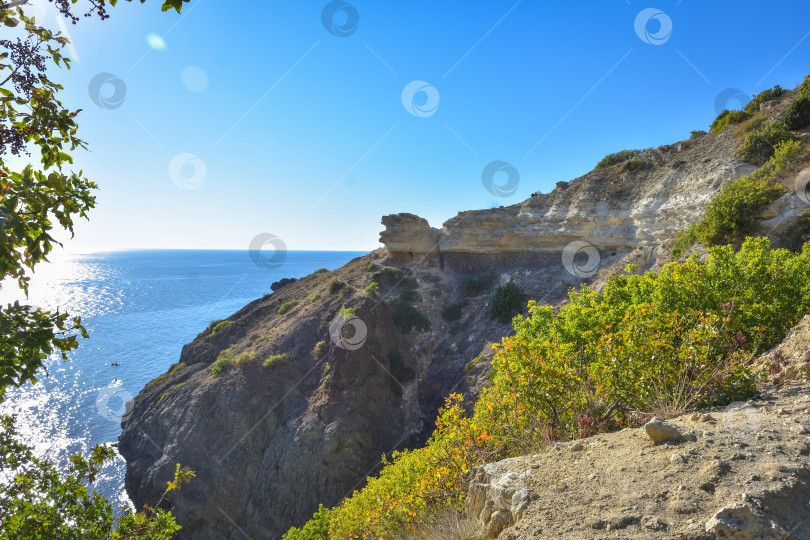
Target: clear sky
{"points": [[247, 117]]}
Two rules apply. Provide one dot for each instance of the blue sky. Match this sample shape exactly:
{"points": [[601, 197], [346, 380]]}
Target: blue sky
{"points": [[283, 127]]}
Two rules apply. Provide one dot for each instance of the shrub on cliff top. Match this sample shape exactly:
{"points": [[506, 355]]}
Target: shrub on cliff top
{"points": [[766, 95], [632, 165], [736, 209], [804, 88], [758, 146], [727, 118], [617, 157], [798, 114]]}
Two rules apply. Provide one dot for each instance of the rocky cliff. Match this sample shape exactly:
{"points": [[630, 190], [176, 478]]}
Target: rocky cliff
{"points": [[607, 208], [279, 408]]}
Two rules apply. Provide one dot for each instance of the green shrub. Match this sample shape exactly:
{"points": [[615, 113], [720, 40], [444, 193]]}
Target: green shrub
{"points": [[454, 311], [618, 157], [316, 528], [408, 318], [275, 360], [336, 286], [736, 209], [632, 165], [696, 133], [287, 306], [727, 118], [320, 271], [372, 288], [162, 397], [315, 297], [798, 114], [759, 146], [804, 88], [784, 156], [508, 302], [222, 364], [347, 313], [798, 233], [686, 239], [766, 95], [402, 373], [476, 286], [220, 325]]}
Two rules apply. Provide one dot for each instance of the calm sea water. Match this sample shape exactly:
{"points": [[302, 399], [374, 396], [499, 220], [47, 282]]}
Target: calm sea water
{"points": [[140, 308]]}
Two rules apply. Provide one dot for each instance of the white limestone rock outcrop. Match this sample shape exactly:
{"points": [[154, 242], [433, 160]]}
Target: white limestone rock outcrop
{"points": [[608, 208]]}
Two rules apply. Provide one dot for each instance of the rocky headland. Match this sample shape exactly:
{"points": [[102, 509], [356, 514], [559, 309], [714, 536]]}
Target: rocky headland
{"points": [[277, 409]]}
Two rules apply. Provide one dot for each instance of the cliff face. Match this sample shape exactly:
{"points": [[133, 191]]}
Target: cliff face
{"points": [[270, 443], [609, 209]]}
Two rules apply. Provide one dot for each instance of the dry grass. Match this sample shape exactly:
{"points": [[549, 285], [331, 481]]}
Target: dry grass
{"points": [[449, 525]]}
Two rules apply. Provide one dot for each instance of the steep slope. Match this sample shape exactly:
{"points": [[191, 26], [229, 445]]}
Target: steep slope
{"points": [[363, 373]]}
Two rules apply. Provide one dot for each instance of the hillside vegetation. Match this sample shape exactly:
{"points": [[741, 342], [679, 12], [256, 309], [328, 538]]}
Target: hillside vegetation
{"points": [[654, 344]]}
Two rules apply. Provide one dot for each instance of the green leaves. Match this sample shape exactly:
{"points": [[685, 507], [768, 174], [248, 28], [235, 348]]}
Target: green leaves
{"points": [[38, 501], [27, 336], [169, 4]]}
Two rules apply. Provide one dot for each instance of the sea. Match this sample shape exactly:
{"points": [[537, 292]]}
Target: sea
{"points": [[139, 308]]}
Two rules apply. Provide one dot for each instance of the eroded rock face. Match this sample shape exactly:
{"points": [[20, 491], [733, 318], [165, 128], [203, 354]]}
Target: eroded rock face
{"points": [[409, 235], [607, 208], [498, 497]]}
